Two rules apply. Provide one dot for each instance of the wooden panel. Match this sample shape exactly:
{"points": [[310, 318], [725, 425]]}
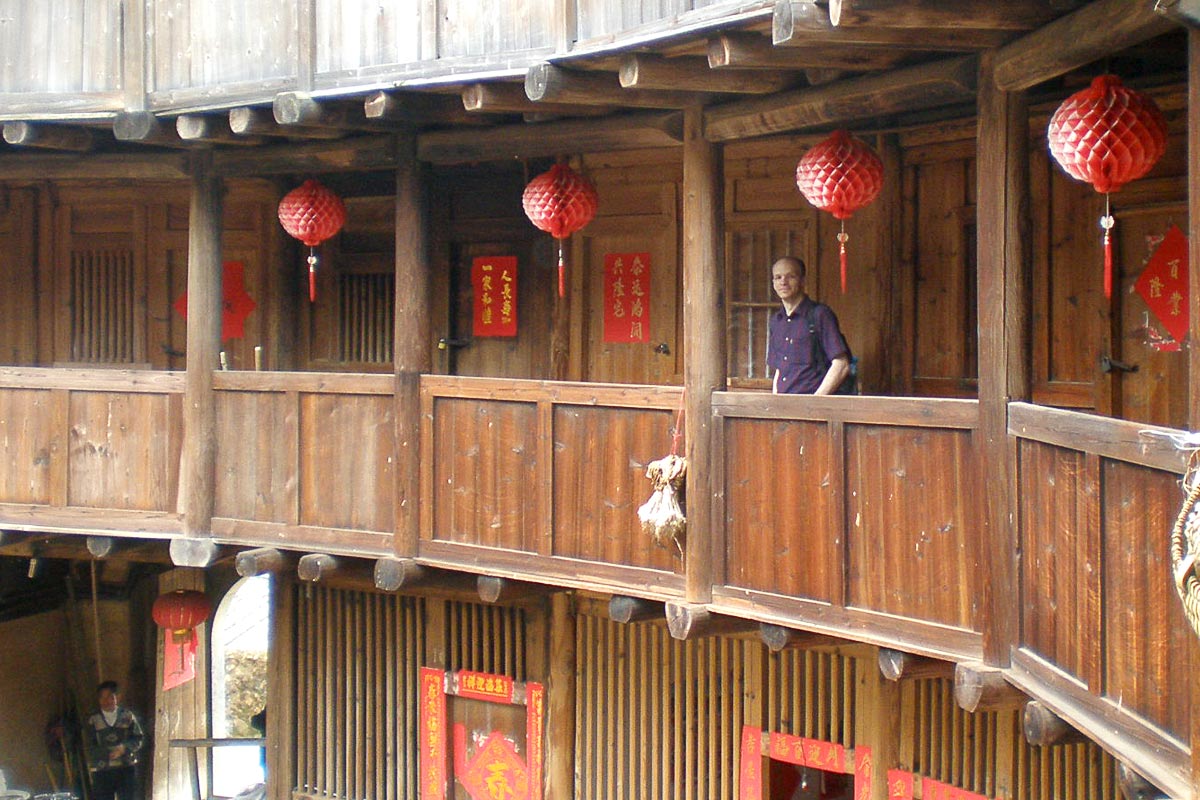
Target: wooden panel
{"points": [[601, 18], [220, 41], [18, 279], [67, 46], [346, 446], [911, 521], [124, 450], [600, 458], [1145, 630], [813, 693], [485, 465], [1060, 566], [966, 750], [363, 33], [28, 443], [777, 508], [257, 456], [483, 27]]}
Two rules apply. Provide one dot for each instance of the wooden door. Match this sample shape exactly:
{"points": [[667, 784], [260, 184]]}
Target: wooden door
{"points": [[637, 220]]}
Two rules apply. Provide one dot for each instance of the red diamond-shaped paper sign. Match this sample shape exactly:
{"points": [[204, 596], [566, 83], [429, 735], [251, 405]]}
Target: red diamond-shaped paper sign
{"points": [[236, 304], [1163, 284], [496, 772]]}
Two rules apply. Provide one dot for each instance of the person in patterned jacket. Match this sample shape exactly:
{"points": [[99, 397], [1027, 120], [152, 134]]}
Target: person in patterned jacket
{"points": [[114, 738]]}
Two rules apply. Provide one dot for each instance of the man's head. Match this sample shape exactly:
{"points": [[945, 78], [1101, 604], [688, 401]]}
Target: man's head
{"points": [[787, 278], [108, 694]]}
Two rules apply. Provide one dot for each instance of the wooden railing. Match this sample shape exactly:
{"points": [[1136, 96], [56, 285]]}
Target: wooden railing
{"points": [[1102, 634], [544, 479], [90, 450], [305, 459], [853, 516]]}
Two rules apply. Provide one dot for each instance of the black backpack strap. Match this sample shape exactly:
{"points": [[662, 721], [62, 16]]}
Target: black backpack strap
{"points": [[818, 350]]}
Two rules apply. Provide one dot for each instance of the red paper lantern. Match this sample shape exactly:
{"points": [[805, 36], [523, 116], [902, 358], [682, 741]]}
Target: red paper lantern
{"points": [[560, 201], [1107, 135], [180, 611], [840, 175], [312, 214]]}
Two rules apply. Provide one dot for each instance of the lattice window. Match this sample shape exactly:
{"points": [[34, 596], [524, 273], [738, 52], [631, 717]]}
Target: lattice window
{"points": [[103, 305], [367, 319]]}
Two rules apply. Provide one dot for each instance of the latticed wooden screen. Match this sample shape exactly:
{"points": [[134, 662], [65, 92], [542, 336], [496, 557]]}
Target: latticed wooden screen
{"points": [[368, 304], [103, 307]]}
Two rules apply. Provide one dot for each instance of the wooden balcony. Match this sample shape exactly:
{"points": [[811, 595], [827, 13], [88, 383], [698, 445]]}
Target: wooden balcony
{"points": [[859, 518]]}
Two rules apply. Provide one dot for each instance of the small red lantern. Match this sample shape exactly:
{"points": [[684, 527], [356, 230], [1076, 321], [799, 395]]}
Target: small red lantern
{"points": [[312, 214], [560, 202], [1108, 136], [840, 175], [180, 611]]}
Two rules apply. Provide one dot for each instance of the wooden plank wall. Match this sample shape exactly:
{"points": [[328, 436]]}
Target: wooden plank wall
{"points": [[67, 46]]}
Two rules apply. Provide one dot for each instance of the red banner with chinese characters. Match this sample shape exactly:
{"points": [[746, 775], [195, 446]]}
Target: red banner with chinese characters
{"points": [[482, 686], [494, 282], [900, 785], [864, 771], [1163, 284], [431, 766], [535, 701], [750, 778], [179, 660], [627, 297]]}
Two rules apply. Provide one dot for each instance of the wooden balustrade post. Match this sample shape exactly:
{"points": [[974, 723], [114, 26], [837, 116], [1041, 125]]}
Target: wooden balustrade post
{"points": [[1003, 255], [412, 350], [197, 469], [1193, 144], [704, 346]]}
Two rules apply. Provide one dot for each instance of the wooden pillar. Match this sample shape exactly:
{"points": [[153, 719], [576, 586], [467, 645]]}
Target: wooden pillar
{"points": [[281, 689], [560, 701], [1193, 128], [197, 470], [1003, 254], [704, 344], [877, 718], [412, 336]]}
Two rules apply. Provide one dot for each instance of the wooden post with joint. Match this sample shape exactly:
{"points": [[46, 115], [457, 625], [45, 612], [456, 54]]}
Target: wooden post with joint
{"points": [[197, 469]]}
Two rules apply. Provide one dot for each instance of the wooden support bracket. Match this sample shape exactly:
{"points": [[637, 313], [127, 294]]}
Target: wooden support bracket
{"points": [[644, 71], [897, 665], [193, 552], [263, 561], [144, 128], [210, 129], [1134, 787], [405, 574], [316, 567], [978, 687], [777, 637], [251, 121], [803, 23], [505, 590], [1043, 727], [625, 609], [751, 51], [547, 82], [692, 621], [71, 138], [107, 546]]}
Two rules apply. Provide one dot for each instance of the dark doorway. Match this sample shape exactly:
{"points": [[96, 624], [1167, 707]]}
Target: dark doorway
{"points": [[794, 782]]}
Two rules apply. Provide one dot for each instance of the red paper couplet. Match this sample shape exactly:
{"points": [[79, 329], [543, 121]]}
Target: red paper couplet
{"points": [[431, 765], [1163, 284], [179, 660], [750, 775], [627, 297], [900, 784], [494, 281]]}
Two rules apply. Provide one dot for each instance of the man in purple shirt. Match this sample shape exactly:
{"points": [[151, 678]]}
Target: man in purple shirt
{"points": [[806, 351]]}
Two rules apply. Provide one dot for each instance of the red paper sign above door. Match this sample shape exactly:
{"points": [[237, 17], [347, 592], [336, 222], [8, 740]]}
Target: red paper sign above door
{"points": [[494, 285], [627, 297], [1163, 284]]}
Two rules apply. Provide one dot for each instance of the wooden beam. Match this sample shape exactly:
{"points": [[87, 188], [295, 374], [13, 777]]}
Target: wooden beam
{"points": [[412, 333], [625, 609], [496, 590], [406, 574], [1089, 34], [1135, 787], [210, 129], [628, 132], [263, 561], [71, 138], [1185, 12], [690, 621], [357, 153], [194, 552], [107, 546], [1011, 15], [777, 638], [751, 51], [646, 71], [803, 23], [978, 687], [250, 121], [558, 85], [144, 128], [897, 665], [704, 369], [1042, 727], [510, 98], [315, 567], [298, 108], [905, 90], [409, 108]]}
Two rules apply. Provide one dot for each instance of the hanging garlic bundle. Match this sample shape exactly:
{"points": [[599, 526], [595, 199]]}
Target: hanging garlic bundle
{"points": [[662, 515]]}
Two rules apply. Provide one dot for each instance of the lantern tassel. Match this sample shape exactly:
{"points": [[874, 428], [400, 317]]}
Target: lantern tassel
{"points": [[312, 275], [562, 269], [1107, 222], [842, 239]]}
